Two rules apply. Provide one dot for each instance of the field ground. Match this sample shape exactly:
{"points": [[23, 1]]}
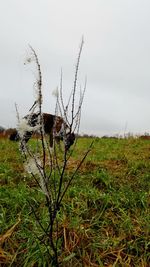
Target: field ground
{"points": [[105, 217]]}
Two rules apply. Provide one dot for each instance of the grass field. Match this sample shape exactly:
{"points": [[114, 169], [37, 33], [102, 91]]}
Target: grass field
{"points": [[105, 216]]}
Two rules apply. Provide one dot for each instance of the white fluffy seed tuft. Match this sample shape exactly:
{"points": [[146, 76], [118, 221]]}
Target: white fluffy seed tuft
{"points": [[23, 127]]}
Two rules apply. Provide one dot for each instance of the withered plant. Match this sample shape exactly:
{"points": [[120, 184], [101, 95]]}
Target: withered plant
{"points": [[48, 167]]}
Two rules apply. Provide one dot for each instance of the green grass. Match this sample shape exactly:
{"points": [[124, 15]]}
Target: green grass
{"points": [[105, 215]]}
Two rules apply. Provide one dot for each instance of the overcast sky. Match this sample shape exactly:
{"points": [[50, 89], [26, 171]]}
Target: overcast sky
{"points": [[115, 59]]}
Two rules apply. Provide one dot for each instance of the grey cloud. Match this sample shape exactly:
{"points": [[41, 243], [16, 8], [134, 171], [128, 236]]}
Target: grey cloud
{"points": [[115, 58]]}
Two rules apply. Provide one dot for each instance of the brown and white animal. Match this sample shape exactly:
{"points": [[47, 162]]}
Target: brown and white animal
{"points": [[53, 125]]}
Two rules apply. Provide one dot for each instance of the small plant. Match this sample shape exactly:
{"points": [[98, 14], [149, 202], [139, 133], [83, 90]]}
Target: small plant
{"points": [[48, 167]]}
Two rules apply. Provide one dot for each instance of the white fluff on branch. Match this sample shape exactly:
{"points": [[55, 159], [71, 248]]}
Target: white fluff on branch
{"points": [[32, 166], [23, 127], [55, 93]]}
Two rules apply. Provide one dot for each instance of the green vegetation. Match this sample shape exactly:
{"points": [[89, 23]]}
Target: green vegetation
{"points": [[105, 215]]}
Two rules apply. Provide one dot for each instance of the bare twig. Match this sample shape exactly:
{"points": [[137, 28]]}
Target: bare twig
{"points": [[75, 82]]}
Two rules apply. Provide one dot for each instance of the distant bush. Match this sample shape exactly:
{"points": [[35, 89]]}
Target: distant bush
{"points": [[2, 129], [5, 133], [87, 136], [145, 137]]}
